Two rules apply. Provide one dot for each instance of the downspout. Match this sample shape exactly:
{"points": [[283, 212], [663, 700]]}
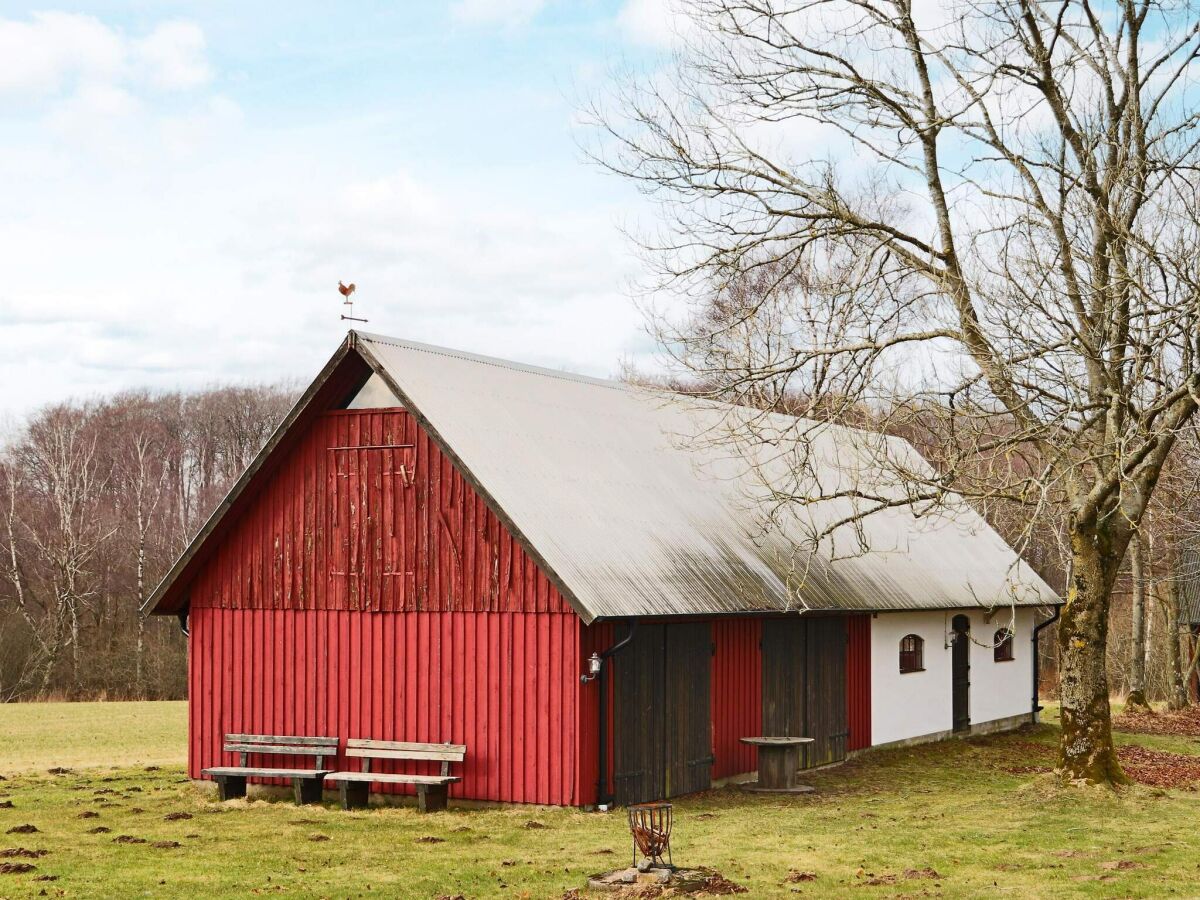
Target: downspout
{"points": [[604, 797], [1037, 630]]}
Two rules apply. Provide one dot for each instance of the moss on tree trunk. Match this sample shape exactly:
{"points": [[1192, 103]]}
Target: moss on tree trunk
{"points": [[1086, 750]]}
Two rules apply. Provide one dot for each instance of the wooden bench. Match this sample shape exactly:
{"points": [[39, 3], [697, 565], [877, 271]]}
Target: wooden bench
{"points": [[431, 789], [306, 783]]}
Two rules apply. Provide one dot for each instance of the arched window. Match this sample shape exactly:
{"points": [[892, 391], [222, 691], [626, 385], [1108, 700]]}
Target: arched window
{"points": [[912, 654], [1002, 645]]}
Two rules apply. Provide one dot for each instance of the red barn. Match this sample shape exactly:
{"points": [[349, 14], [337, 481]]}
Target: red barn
{"points": [[434, 545]]}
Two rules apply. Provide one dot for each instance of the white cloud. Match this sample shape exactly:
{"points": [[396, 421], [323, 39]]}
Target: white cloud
{"points": [[496, 12], [41, 55], [173, 54], [654, 23], [61, 53]]}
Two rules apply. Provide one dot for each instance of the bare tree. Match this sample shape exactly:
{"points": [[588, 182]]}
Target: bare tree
{"points": [[1005, 244], [1139, 645], [96, 500]]}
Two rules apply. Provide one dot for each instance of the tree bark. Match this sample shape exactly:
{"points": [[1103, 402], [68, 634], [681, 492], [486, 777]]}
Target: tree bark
{"points": [[1177, 697], [1086, 750], [1137, 650]]}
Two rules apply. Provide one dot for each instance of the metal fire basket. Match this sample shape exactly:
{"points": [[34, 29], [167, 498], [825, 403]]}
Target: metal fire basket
{"points": [[650, 825]]}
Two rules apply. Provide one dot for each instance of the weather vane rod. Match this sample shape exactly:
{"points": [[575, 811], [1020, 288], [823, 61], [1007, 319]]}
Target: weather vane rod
{"points": [[348, 305]]}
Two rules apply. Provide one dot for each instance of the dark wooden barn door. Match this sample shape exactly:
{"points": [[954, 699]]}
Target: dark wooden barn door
{"points": [[804, 684], [960, 665], [784, 648], [662, 716], [689, 756], [825, 691]]}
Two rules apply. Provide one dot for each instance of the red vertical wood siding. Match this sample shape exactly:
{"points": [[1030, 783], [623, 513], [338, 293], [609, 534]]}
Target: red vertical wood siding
{"points": [[736, 694], [394, 527], [858, 681], [366, 590], [503, 683]]}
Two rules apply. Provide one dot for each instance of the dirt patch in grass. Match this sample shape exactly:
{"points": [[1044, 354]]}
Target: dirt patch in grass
{"points": [[1183, 722], [23, 829], [1158, 768], [22, 853], [10, 868]]}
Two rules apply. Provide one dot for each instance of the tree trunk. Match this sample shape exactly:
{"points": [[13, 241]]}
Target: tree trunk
{"points": [[1086, 748], [1137, 650], [1177, 697]]}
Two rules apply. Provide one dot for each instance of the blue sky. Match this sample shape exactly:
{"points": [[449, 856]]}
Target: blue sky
{"points": [[186, 183]]}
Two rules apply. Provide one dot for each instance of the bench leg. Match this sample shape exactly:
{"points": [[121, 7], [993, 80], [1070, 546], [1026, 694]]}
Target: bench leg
{"points": [[307, 790], [231, 787], [431, 797], [354, 794]]}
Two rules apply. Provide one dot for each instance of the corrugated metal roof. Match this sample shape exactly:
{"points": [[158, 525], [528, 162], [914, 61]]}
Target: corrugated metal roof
{"points": [[632, 516]]}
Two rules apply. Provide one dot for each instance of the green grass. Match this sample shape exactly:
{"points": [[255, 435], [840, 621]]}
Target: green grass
{"points": [[956, 807], [43, 735]]}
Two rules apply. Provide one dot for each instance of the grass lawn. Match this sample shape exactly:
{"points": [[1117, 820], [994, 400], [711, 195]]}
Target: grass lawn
{"points": [[974, 812], [43, 735]]}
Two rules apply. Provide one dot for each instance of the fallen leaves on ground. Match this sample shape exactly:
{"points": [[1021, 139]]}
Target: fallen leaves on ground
{"points": [[1185, 722], [716, 883], [1159, 768]]}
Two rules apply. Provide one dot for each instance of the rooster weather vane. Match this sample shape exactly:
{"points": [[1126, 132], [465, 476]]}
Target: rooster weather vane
{"points": [[348, 305]]}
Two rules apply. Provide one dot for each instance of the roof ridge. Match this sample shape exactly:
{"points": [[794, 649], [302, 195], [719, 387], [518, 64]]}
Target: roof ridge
{"points": [[510, 364]]}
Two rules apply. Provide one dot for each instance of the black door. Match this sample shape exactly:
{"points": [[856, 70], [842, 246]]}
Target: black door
{"points": [[688, 744], [662, 717], [804, 684], [960, 667], [825, 691]]}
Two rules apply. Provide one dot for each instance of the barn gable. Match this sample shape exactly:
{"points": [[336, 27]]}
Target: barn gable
{"points": [[360, 509]]}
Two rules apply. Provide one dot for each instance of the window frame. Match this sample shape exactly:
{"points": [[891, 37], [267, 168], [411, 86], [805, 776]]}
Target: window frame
{"points": [[906, 655], [1002, 648]]}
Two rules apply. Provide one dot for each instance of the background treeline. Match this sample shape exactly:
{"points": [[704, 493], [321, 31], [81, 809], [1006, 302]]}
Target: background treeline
{"points": [[97, 499]]}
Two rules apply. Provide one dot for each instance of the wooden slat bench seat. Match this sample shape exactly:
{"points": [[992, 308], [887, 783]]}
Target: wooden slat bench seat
{"points": [[306, 783], [432, 790]]}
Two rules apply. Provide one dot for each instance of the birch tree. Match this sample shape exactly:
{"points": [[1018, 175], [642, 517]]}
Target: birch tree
{"points": [[984, 213]]}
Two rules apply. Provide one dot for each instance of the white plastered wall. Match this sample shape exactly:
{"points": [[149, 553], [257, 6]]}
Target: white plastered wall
{"points": [[917, 704]]}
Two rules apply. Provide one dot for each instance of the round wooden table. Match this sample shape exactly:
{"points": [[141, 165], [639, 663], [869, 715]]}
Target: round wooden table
{"points": [[778, 763]]}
